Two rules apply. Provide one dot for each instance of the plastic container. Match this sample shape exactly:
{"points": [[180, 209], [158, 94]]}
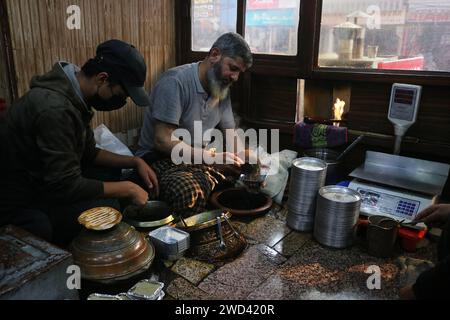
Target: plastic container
{"points": [[170, 243], [410, 238]]}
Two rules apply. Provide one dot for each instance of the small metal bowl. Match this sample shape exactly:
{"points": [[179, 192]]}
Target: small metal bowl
{"points": [[153, 215]]}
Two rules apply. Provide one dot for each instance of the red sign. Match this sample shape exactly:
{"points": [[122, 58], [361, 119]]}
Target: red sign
{"points": [[403, 64], [263, 4]]}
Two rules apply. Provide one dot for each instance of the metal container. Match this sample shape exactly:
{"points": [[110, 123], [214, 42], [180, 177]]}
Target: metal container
{"points": [[170, 243], [116, 254], [153, 215], [382, 235], [102, 297], [307, 177], [146, 290], [240, 202], [337, 215], [333, 166], [206, 233]]}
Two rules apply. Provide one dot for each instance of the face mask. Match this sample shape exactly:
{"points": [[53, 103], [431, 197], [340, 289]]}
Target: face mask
{"points": [[113, 103]]}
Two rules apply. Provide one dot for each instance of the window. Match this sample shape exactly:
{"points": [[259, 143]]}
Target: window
{"points": [[210, 19], [378, 34], [271, 26]]}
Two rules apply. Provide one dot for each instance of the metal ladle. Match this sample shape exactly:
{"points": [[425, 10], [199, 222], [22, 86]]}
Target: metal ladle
{"points": [[222, 244], [231, 226], [350, 148]]}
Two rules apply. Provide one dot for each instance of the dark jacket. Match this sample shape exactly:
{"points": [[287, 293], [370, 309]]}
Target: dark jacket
{"points": [[435, 283], [45, 141]]}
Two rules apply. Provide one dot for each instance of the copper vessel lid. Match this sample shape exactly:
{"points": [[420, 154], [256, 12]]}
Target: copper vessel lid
{"points": [[112, 253], [102, 218]]}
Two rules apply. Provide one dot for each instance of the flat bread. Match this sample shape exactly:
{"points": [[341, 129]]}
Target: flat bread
{"points": [[102, 218]]}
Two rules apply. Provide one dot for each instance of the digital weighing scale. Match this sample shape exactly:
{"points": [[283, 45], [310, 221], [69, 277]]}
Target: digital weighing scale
{"points": [[398, 187], [394, 186]]}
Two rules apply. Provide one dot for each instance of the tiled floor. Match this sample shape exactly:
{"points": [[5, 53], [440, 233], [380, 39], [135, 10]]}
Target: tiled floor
{"points": [[283, 264]]}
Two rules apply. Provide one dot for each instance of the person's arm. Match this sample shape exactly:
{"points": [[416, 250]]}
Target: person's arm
{"points": [[57, 141], [434, 283], [165, 142], [125, 189], [109, 159]]}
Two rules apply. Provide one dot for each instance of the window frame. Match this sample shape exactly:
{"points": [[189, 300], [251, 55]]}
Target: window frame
{"points": [[305, 64], [263, 63]]}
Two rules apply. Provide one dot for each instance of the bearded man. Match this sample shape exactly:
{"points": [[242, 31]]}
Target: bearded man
{"points": [[194, 97]]}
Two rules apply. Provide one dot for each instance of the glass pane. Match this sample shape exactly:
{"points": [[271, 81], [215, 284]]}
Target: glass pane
{"points": [[380, 34], [210, 19], [271, 26]]}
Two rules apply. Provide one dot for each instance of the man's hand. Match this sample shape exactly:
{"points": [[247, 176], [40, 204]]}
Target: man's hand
{"points": [[229, 158], [137, 195], [248, 156], [148, 175], [126, 189], [407, 293], [434, 216]]}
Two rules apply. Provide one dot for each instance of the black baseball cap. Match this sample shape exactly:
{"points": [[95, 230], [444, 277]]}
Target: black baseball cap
{"points": [[126, 65]]}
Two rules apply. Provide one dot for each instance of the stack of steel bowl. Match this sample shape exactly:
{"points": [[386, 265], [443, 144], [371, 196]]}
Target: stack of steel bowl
{"points": [[307, 177], [337, 215]]}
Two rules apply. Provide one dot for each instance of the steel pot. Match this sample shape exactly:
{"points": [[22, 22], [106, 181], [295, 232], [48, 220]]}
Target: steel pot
{"points": [[112, 255], [333, 166]]}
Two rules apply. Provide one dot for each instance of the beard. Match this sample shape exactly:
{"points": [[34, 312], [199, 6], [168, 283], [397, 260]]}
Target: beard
{"points": [[219, 87]]}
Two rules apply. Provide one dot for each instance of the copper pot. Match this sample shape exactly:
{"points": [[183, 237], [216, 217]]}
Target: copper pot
{"points": [[112, 255], [206, 237]]}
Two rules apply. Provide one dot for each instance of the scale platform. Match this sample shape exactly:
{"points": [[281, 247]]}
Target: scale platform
{"points": [[398, 187]]}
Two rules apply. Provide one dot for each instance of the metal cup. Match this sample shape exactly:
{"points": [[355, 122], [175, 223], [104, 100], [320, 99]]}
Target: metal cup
{"points": [[381, 236]]}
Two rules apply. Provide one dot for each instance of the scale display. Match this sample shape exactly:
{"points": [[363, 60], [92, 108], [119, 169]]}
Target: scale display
{"points": [[404, 103]]}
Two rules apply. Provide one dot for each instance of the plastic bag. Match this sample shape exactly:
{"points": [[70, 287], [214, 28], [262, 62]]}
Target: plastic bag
{"points": [[274, 167], [106, 140]]}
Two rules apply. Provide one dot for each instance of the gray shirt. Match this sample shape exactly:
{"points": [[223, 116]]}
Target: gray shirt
{"points": [[179, 98]]}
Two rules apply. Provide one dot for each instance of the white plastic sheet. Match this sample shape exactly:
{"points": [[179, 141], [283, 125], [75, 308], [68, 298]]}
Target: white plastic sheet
{"points": [[106, 140]]}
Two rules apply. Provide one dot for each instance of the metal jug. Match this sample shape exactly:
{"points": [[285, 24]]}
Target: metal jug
{"points": [[382, 236]]}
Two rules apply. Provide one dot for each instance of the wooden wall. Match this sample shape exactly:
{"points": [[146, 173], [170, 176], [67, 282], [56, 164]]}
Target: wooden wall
{"points": [[40, 37], [4, 88], [4, 79]]}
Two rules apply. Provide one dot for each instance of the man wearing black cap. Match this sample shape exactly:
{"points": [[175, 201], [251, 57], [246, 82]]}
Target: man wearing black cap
{"points": [[47, 143]]}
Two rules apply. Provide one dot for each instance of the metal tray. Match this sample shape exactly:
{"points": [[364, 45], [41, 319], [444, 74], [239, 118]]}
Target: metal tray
{"points": [[202, 221], [412, 174]]}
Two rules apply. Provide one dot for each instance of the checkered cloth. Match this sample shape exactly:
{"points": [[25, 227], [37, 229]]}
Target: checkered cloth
{"points": [[186, 188]]}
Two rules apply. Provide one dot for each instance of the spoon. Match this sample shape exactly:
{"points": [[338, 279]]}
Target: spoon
{"points": [[222, 244], [231, 226]]}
